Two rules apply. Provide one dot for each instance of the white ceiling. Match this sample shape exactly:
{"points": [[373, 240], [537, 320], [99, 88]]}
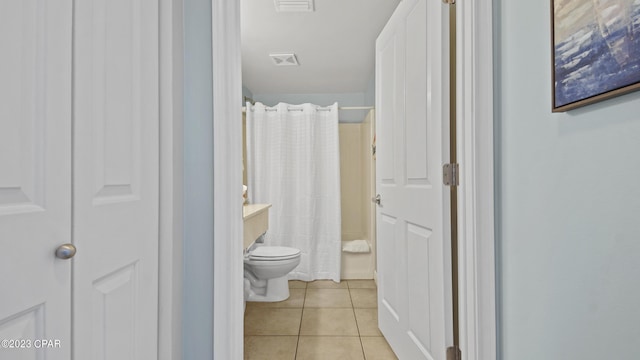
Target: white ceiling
{"points": [[335, 45]]}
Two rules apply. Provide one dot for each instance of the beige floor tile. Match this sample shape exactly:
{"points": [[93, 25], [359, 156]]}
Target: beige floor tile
{"points": [[361, 284], [364, 298], [270, 321], [326, 284], [330, 298], [270, 347], [377, 348], [323, 321], [329, 348], [297, 284], [367, 320], [295, 300]]}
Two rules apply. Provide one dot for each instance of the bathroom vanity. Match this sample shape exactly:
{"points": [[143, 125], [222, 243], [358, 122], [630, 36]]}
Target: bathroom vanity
{"points": [[256, 222]]}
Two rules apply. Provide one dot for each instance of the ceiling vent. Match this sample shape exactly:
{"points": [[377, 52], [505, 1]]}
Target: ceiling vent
{"points": [[294, 5], [284, 59]]}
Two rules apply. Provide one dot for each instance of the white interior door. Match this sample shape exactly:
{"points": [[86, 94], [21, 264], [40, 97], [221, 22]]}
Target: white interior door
{"points": [[107, 205], [35, 177], [115, 201], [413, 224]]}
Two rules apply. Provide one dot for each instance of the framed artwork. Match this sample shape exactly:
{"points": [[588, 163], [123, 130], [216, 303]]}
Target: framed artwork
{"points": [[596, 50]]}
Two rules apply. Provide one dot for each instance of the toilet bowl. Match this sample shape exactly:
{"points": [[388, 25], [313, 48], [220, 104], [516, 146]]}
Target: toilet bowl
{"points": [[265, 272]]}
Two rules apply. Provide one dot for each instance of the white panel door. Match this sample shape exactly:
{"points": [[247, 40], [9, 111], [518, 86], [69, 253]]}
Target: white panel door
{"points": [[35, 177], [116, 179], [413, 223]]}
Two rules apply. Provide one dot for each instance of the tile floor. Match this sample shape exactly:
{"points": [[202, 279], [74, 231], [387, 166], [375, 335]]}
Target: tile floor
{"points": [[321, 320]]}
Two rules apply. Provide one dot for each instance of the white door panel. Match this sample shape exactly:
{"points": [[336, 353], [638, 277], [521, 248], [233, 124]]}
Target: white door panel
{"points": [[388, 299], [413, 217], [116, 179], [35, 176]]}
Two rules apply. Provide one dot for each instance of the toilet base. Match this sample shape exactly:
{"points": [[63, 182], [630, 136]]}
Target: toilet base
{"points": [[277, 289]]}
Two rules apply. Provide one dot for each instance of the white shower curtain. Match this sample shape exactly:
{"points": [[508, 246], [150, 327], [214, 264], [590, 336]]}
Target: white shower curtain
{"points": [[293, 163]]}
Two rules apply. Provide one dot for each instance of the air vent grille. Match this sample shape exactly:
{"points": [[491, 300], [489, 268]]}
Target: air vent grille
{"points": [[294, 5], [284, 59]]}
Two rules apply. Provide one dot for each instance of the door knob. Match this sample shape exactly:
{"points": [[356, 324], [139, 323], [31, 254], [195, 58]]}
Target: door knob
{"points": [[376, 199], [65, 251]]}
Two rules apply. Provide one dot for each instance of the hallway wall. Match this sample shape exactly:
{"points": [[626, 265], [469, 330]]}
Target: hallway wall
{"points": [[568, 206], [197, 323]]}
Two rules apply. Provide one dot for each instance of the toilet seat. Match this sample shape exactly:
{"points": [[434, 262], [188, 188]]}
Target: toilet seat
{"points": [[273, 253]]}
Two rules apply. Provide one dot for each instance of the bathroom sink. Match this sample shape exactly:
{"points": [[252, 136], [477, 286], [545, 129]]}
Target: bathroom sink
{"points": [[256, 222]]}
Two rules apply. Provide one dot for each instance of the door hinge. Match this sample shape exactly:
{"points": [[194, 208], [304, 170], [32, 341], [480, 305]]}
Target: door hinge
{"points": [[454, 353], [450, 2], [450, 175]]}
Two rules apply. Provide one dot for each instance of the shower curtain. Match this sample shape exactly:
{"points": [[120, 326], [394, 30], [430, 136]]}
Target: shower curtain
{"points": [[293, 163]]}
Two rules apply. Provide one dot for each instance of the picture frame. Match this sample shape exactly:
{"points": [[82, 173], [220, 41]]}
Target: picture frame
{"points": [[595, 51]]}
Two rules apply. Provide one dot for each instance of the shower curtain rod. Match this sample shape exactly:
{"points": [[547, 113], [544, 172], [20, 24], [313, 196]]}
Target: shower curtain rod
{"points": [[244, 108]]}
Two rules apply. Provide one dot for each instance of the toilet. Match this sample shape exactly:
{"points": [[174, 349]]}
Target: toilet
{"points": [[265, 272]]}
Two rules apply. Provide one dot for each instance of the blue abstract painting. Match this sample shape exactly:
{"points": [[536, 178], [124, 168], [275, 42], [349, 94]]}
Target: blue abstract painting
{"points": [[596, 50]]}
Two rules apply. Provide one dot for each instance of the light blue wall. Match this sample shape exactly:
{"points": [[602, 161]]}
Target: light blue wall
{"points": [[370, 92], [246, 92], [568, 207], [343, 99], [198, 183]]}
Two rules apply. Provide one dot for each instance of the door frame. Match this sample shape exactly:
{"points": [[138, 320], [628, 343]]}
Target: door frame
{"points": [[228, 273], [475, 145], [170, 254], [476, 240]]}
